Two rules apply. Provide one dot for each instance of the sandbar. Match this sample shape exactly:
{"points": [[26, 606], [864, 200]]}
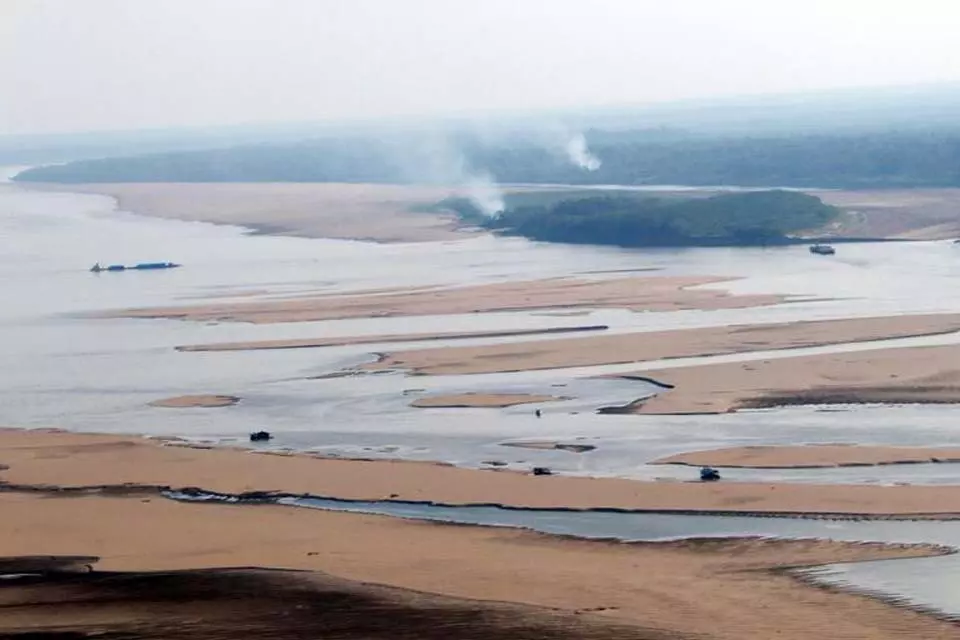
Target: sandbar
{"points": [[184, 402], [655, 345], [376, 212], [647, 293], [928, 375], [87, 460], [481, 400], [812, 456], [602, 583], [308, 343]]}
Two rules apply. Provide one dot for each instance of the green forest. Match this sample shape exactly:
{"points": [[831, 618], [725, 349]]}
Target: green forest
{"points": [[861, 160], [735, 219]]}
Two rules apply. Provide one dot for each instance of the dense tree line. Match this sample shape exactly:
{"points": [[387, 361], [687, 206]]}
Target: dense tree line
{"points": [[889, 159], [737, 219]]}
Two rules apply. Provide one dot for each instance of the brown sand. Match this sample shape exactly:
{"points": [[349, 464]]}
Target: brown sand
{"points": [[654, 293], [481, 400], [378, 212], [83, 460], [917, 214], [252, 604], [812, 456], [183, 402], [306, 343], [708, 589], [641, 347], [891, 376]]}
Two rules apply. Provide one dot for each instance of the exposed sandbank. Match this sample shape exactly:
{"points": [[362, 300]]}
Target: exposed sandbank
{"points": [[915, 214], [606, 583], [378, 212], [183, 402], [642, 347], [305, 343], [271, 604], [481, 400], [812, 456], [84, 460], [651, 293], [889, 376]]}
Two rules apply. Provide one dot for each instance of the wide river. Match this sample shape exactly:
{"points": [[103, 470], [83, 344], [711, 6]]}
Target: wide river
{"points": [[67, 369]]}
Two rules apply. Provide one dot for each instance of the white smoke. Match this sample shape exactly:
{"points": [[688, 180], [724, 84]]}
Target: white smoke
{"points": [[483, 192], [580, 154]]}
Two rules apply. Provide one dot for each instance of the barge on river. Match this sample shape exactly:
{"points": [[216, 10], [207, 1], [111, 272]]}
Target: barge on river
{"points": [[143, 266]]}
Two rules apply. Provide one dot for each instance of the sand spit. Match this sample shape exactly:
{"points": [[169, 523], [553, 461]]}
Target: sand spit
{"points": [[812, 456], [481, 400], [37, 458], [377, 212], [889, 376], [915, 214], [642, 347], [652, 293], [305, 343], [193, 401], [450, 576]]}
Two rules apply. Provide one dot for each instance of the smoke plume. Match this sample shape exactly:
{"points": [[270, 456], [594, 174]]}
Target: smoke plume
{"points": [[484, 193], [580, 155]]}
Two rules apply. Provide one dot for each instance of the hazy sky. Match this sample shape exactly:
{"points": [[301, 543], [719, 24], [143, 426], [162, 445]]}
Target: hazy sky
{"points": [[71, 65]]}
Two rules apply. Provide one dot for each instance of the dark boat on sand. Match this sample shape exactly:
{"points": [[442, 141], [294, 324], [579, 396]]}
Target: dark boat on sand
{"points": [[822, 249], [143, 266]]}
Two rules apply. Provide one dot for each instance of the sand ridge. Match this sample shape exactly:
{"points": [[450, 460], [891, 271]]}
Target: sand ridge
{"points": [[889, 376], [196, 401], [659, 293], [89, 460], [482, 400], [812, 456], [307, 343], [621, 348]]}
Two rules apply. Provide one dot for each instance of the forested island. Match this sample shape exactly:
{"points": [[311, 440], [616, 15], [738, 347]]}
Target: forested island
{"points": [[735, 219]]}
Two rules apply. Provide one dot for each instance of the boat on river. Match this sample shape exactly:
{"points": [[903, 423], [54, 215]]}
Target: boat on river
{"points": [[142, 266], [822, 249]]}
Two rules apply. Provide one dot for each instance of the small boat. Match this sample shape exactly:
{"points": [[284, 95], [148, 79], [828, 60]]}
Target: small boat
{"points": [[709, 474], [822, 249], [143, 266]]}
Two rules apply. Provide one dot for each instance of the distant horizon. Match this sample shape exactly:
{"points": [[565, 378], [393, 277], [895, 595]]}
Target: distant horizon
{"points": [[504, 115]]}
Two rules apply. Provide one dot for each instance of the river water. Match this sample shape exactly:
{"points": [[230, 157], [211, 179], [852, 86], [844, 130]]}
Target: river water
{"points": [[67, 369]]}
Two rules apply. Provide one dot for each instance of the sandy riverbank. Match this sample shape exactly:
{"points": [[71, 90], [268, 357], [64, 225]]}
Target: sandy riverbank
{"points": [[889, 376], [378, 212], [83, 460], [599, 589], [650, 293], [812, 456], [656, 345]]}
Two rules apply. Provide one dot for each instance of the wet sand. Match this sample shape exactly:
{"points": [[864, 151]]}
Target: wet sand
{"points": [[448, 574], [916, 214], [888, 376], [642, 347], [650, 293], [193, 401], [308, 343], [378, 212], [481, 400], [812, 456], [82, 460]]}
